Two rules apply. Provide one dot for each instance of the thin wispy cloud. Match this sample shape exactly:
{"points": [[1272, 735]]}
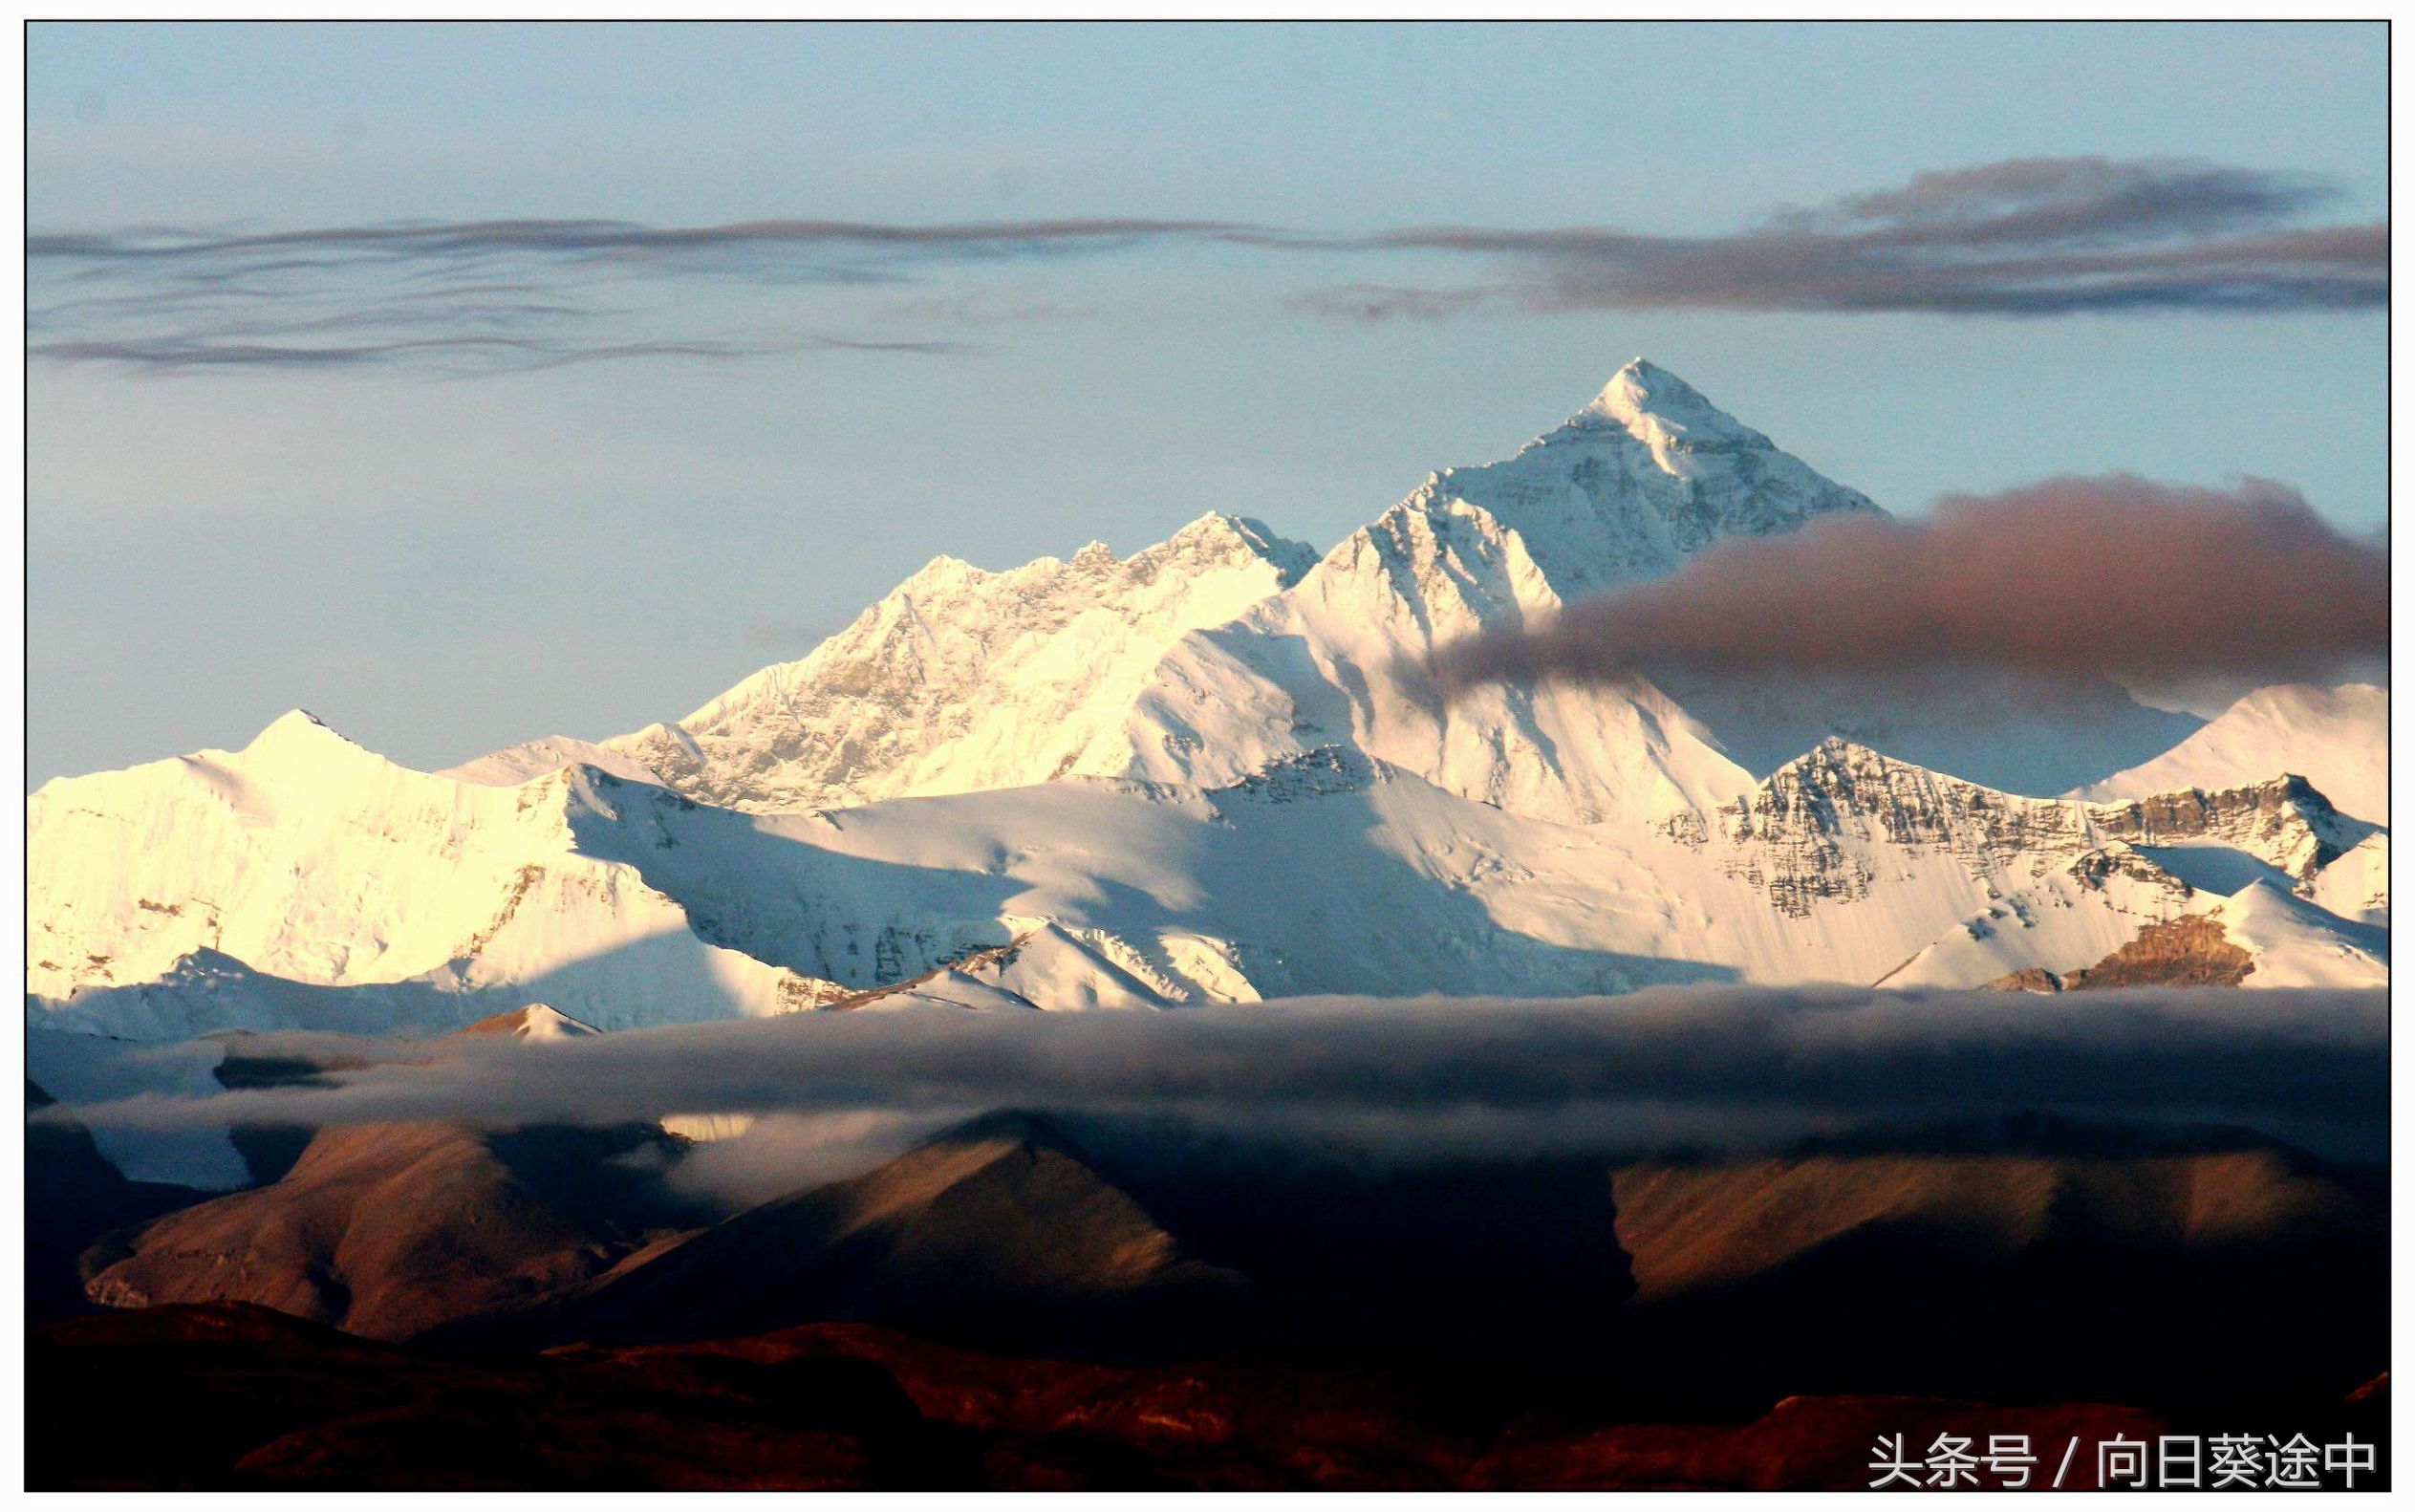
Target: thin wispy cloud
{"points": [[2028, 237]]}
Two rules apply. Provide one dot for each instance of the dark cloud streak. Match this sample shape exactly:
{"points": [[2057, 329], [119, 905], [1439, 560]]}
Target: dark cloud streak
{"points": [[2025, 237], [2028, 237], [1755, 1056]]}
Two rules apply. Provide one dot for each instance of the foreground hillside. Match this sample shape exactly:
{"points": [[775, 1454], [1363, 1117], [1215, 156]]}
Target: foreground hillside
{"points": [[246, 1399]]}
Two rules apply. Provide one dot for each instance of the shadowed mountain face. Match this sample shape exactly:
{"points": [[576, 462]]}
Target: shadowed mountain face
{"points": [[389, 1229], [2057, 1259], [1002, 1230], [2015, 1273], [1168, 1306], [75, 1198]]}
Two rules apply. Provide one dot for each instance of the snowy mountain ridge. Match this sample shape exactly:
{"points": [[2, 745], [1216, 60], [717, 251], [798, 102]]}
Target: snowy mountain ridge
{"points": [[305, 882], [1203, 658], [963, 679], [1215, 771]]}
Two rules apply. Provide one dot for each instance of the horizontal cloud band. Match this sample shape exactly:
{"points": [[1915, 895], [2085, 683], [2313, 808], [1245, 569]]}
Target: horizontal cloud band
{"points": [[2024, 237], [2270, 1058]]}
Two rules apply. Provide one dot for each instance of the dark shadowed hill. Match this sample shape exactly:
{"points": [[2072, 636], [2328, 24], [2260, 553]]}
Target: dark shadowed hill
{"points": [[2155, 1276], [1002, 1230], [241, 1398], [389, 1229], [74, 1197]]}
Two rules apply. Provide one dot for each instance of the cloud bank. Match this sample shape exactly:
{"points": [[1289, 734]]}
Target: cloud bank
{"points": [[2025, 237], [1695, 1059], [2071, 577]]}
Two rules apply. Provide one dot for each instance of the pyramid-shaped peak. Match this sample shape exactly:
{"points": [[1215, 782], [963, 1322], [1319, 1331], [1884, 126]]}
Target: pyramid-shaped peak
{"points": [[1649, 402], [299, 732]]}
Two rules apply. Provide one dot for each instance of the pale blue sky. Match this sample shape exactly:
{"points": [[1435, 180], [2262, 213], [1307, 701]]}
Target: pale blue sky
{"points": [[440, 564]]}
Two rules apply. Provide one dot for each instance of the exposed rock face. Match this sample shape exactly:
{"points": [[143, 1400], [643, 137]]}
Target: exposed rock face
{"points": [[1824, 825], [2189, 952], [2283, 821], [1813, 830]]}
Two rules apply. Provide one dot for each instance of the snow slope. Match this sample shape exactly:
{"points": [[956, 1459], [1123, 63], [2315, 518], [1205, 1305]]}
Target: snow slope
{"points": [[2338, 739], [2073, 916], [962, 679], [2296, 944], [306, 859], [1215, 771], [515, 764], [1203, 659], [305, 882], [2357, 886]]}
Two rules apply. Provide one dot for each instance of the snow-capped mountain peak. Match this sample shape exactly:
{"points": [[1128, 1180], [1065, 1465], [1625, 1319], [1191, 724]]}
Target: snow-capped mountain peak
{"points": [[1214, 539], [300, 735], [1222, 647], [1638, 481], [963, 679], [1661, 409]]}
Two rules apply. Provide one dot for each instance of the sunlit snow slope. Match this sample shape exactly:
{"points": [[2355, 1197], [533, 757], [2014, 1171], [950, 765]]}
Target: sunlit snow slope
{"points": [[1215, 771]]}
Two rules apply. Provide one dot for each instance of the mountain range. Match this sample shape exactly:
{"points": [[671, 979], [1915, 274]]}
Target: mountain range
{"points": [[1216, 771]]}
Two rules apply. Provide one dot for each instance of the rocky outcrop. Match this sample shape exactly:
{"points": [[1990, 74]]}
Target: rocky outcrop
{"points": [[2283, 821], [2189, 952], [1831, 823]]}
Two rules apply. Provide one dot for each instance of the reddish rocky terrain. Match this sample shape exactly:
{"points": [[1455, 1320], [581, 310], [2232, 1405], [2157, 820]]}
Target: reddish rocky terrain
{"points": [[241, 1398]]}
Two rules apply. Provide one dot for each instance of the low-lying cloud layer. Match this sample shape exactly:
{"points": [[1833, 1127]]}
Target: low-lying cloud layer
{"points": [[2023, 237], [1678, 1063], [2068, 579]]}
